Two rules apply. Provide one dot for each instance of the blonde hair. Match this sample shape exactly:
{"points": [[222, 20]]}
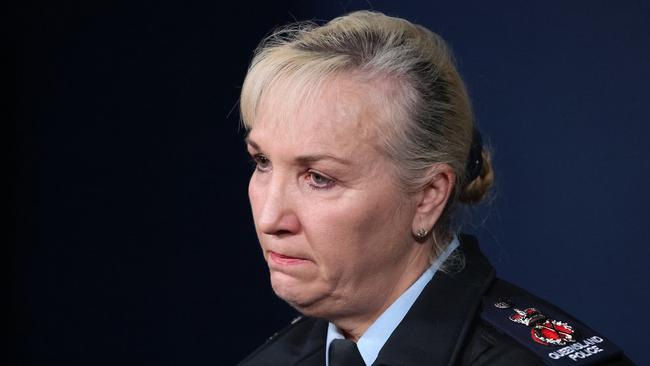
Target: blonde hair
{"points": [[431, 119]]}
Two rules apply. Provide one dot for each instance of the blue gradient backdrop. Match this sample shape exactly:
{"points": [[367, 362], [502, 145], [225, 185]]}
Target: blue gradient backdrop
{"points": [[134, 242]]}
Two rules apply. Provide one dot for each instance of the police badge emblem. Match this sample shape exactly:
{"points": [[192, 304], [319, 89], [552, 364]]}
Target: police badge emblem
{"points": [[557, 338], [548, 332]]}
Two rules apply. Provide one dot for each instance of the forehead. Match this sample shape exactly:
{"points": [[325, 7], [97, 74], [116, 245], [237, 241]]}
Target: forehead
{"points": [[336, 109]]}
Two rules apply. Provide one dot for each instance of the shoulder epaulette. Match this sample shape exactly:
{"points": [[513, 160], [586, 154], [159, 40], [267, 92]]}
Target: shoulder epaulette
{"points": [[554, 336]]}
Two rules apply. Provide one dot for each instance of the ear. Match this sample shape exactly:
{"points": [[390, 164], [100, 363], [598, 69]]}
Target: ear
{"points": [[433, 197]]}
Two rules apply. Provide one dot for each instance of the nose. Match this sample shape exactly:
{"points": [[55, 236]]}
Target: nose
{"points": [[274, 205]]}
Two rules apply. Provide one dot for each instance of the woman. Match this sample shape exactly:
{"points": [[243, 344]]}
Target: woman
{"points": [[364, 144]]}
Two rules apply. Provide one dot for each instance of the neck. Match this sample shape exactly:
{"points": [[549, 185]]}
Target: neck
{"points": [[353, 326]]}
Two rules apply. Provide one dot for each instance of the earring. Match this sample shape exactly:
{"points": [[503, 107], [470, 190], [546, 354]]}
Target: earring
{"points": [[421, 233]]}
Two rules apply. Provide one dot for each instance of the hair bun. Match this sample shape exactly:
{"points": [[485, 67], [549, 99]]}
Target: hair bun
{"points": [[475, 191]]}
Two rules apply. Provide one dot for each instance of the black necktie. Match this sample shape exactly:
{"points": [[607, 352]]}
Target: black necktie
{"points": [[344, 353]]}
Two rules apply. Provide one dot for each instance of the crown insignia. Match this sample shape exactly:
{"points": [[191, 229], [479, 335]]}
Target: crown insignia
{"points": [[543, 330], [527, 317]]}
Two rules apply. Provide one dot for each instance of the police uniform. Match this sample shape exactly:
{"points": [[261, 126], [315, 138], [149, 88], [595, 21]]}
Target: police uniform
{"points": [[464, 318]]}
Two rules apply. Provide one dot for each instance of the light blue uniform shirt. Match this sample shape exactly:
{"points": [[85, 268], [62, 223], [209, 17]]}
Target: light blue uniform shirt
{"points": [[377, 334]]}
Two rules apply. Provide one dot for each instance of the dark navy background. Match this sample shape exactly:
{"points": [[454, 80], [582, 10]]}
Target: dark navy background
{"points": [[134, 242]]}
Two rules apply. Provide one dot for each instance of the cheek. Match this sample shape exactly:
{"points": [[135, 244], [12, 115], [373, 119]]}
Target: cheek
{"points": [[357, 233], [255, 196], [253, 189], [332, 239]]}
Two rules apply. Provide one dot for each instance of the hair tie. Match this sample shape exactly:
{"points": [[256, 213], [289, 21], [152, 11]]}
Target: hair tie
{"points": [[475, 159]]}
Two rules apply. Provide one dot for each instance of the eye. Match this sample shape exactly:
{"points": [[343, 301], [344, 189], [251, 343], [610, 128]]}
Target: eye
{"points": [[319, 181], [262, 163]]}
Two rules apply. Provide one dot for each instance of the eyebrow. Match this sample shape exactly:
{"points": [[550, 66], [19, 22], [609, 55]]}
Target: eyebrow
{"points": [[305, 159], [248, 141], [310, 159]]}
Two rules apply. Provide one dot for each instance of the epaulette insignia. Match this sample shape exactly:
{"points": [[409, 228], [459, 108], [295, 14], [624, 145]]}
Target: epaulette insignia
{"points": [[554, 336]]}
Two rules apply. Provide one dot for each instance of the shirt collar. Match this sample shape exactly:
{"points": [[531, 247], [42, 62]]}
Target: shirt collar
{"points": [[377, 334]]}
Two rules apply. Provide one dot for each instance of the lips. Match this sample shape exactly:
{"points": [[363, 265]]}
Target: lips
{"points": [[285, 260]]}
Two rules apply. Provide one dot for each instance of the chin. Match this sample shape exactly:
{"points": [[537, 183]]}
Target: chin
{"points": [[297, 294]]}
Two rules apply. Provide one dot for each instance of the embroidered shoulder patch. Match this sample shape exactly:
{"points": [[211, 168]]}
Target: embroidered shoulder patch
{"points": [[551, 334]]}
